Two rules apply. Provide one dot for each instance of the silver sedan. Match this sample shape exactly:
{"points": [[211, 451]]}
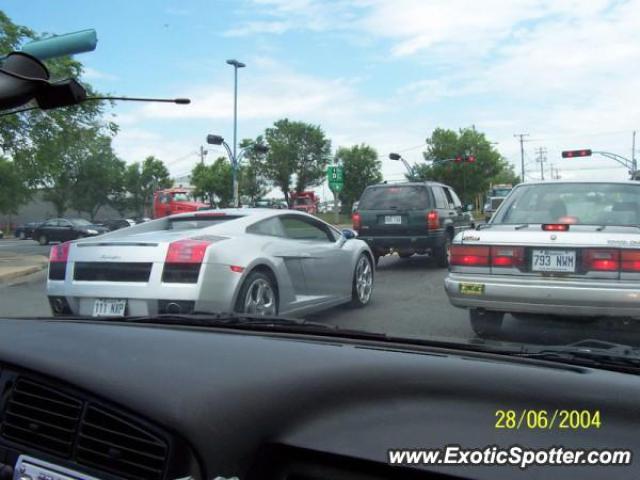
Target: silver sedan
{"points": [[259, 261], [553, 248]]}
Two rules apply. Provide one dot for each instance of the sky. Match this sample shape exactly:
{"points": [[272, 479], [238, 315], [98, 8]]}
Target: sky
{"points": [[385, 73]]}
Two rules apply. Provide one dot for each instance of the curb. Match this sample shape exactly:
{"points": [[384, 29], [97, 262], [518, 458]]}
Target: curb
{"points": [[20, 272]]}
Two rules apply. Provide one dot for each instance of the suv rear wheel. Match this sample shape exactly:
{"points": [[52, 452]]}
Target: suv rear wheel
{"points": [[442, 252], [485, 324]]}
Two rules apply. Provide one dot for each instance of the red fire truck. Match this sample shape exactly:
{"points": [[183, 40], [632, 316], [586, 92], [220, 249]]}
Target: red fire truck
{"points": [[305, 202], [175, 200]]}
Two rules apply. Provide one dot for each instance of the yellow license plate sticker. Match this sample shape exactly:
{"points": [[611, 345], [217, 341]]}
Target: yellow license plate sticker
{"points": [[472, 288]]}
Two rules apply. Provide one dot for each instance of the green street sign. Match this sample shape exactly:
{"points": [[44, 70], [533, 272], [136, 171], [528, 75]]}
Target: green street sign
{"points": [[335, 177]]}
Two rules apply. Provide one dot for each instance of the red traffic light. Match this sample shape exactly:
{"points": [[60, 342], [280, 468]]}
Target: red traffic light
{"points": [[471, 159], [576, 153], [458, 159]]}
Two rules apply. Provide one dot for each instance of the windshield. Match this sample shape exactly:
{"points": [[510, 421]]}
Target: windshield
{"points": [[500, 192], [79, 222], [385, 138], [581, 203], [182, 197]]}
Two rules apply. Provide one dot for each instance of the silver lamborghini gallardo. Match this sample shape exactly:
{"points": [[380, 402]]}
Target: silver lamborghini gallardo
{"points": [[254, 261]]}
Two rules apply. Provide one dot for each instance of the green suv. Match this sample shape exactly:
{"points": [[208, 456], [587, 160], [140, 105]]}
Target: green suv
{"points": [[410, 218]]}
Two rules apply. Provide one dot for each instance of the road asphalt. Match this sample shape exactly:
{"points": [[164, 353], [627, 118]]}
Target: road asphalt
{"points": [[408, 301]]}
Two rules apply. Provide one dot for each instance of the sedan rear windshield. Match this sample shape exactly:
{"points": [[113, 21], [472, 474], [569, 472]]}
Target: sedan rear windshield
{"points": [[578, 203], [395, 197], [196, 222]]}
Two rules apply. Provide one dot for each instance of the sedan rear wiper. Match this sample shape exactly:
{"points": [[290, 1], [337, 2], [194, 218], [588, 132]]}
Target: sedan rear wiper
{"points": [[590, 352]]}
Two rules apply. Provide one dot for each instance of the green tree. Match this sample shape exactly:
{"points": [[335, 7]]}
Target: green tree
{"points": [[99, 179], [469, 180], [252, 181], [70, 147], [13, 188], [154, 176], [214, 181], [361, 168], [44, 146], [296, 149]]}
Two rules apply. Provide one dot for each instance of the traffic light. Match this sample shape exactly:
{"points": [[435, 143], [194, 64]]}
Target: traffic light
{"points": [[465, 159], [576, 153]]}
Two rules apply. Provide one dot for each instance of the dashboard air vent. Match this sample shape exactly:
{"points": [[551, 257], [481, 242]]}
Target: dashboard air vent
{"points": [[113, 443], [41, 417]]}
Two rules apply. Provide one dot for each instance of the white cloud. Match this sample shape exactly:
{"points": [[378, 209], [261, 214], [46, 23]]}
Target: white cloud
{"points": [[89, 73], [270, 92]]}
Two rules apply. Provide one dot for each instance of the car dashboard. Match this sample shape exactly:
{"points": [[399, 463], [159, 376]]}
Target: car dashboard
{"points": [[109, 401]]}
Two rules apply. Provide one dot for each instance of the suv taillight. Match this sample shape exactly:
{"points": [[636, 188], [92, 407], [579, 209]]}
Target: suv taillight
{"points": [[356, 220], [601, 260], [58, 256], [433, 220], [507, 256], [469, 256], [187, 251]]}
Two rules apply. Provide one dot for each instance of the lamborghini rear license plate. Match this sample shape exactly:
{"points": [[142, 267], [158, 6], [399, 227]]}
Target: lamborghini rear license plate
{"points": [[472, 288], [109, 307]]}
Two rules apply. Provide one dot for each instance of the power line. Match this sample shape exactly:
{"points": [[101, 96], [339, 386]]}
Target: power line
{"points": [[422, 145]]}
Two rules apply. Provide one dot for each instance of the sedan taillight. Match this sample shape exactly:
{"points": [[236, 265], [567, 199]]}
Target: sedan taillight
{"points": [[507, 257], [60, 252], [183, 261], [187, 251], [469, 256], [630, 260], [58, 256], [601, 260]]}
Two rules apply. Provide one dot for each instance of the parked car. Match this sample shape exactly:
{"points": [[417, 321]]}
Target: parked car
{"points": [[117, 223], [65, 229], [256, 261], [25, 230], [410, 218], [556, 248]]}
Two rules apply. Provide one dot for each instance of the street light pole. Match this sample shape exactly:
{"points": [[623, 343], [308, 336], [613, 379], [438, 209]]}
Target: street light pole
{"points": [[236, 65]]}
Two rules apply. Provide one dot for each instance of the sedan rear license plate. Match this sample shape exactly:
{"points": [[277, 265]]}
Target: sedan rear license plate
{"points": [[393, 220], [553, 261], [472, 288], [107, 307]]}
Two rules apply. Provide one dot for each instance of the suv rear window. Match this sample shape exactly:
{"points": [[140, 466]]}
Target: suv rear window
{"points": [[392, 197]]}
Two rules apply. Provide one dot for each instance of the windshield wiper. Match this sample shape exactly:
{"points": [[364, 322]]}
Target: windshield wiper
{"points": [[589, 352]]}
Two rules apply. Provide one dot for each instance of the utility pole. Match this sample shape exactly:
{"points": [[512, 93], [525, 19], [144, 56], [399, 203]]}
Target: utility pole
{"points": [[542, 158], [236, 65], [521, 135], [203, 153], [634, 165]]}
